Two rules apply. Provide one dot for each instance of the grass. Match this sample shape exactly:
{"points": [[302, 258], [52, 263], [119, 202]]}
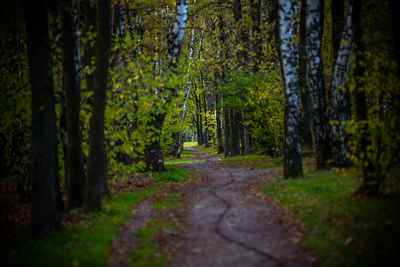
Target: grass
{"points": [[189, 144], [262, 161], [254, 161], [149, 252], [343, 230], [208, 150], [87, 241]]}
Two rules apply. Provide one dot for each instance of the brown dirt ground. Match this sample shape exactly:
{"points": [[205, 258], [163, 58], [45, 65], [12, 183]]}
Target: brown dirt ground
{"points": [[228, 223]]}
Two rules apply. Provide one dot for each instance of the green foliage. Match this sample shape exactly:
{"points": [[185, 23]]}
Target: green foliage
{"points": [[342, 230], [381, 87], [261, 97]]}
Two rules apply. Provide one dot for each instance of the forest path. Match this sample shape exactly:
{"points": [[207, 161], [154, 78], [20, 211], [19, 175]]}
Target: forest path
{"points": [[229, 224]]}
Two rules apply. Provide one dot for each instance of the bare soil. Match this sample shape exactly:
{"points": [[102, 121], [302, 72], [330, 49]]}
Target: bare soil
{"points": [[229, 224]]}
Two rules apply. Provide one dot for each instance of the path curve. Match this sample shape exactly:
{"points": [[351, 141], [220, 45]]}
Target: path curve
{"points": [[227, 226]]}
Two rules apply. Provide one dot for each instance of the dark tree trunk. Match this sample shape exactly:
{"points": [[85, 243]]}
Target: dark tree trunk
{"points": [[206, 134], [153, 156], [315, 81], [90, 11], [246, 136], [371, 182], [97, 161], [255, 13], [337, 9], [220, 145], [235, 133], [46, 205], [340, 109], [71, 86], [227, 128], [292, 163], [301, 74]]}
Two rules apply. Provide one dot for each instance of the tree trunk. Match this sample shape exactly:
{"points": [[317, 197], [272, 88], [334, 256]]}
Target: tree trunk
{"points": [[255, 14], [337, 9], [292, 162], [315, 81], [235, 133], [371, 183], [71, 83], [97, 161], [220, 145], [246, 136], [153, 152], [227, 128], [46, 208], [301, 74], [340, 109]]}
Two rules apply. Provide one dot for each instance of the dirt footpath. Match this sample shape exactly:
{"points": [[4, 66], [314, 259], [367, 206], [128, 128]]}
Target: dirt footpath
{"points": [[227, 225]]}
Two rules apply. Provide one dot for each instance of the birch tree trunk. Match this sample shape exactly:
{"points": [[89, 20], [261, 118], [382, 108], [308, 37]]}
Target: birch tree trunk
{"points": [[340, 110], [72, 86], [315, 82], [45, 211], [301, 74], [179, 145], [153, 153], [292, 162], [97, 161]]}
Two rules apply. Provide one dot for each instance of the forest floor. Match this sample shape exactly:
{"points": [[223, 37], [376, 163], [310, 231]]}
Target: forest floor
{"points": [[206, 210]]}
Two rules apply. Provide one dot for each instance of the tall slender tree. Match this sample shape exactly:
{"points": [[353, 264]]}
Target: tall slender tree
{"points": [[340, 110], [97, 161], [46, 208], [315, 82], [292, 162], [153, 152], [71, 84]]}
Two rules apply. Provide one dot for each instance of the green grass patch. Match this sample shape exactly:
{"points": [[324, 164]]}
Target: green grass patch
{"points": [[344, 231], [173, 174], [85, 243], [208, 150], [254, 161], [189, 144], [149, 252]]}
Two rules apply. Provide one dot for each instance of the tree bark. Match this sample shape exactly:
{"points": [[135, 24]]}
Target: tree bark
{"points": [[315, 81], [97, 161], [153, 152], [340, 109], [371, 183], [220, 145], [292, 160], [227, 127], [337, 9], [235, 133], [301, 74], [71, 83], [46, 205]]}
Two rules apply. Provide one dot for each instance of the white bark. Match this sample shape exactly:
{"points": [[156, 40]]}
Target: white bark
{"points": [[315, 82], [292, 165], [340, 98]]}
